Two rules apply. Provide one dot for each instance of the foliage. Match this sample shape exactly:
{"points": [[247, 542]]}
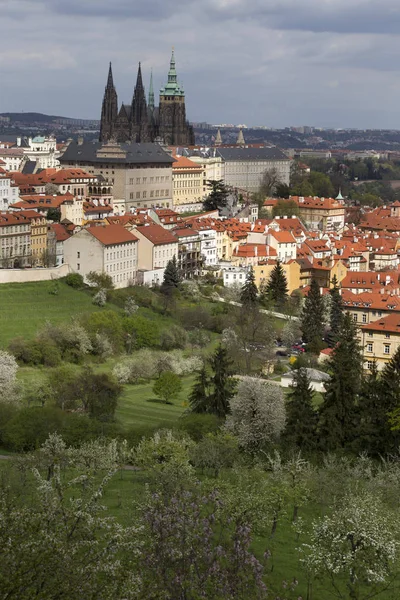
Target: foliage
{"points": [[356, 545], [290, 333], [198, 398], [257, 414], [222, 384], [108, 323], [198, 426], [312, 318], [269, 181], [130, 307], [102, 281], [337, 414], [100, 298], [214, 452], [285, 208], [173, 337], [74, 280], [249, 292], [167, 386], [8, 375], [276, 290], [164, 452], [301, 424], [143, 333], [217, 198], [54, 214], [172, 278], [336, 313]]}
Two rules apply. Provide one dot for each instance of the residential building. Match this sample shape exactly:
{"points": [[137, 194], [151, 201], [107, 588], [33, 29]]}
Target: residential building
{"points": [[234, 275], [13, 158], [244, 167], [15, 240], [368, 307], [157, 246], [284, 244], [9, 192], [42, 151], [56, 236], [263, 270], [190, 260], [188, 182], [322, 214], [380, 340], [141, 174], [110, 249], [387, 282], [70, 207], [38, 230]]}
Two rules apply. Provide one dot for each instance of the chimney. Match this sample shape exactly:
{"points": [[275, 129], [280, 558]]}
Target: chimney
{"points": [[80, 140]]}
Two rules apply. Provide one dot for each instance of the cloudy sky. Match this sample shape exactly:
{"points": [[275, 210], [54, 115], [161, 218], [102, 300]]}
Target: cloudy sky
{"points": [[328, 63]]}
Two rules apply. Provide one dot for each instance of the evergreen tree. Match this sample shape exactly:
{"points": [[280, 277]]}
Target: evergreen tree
{"points": [[301, 418], [199, 395], [249, 293], [376, 436], [312, 318], [385, 439], [338, 412], [276, 289], [172, 278], [336, 313], [218, 196], [223, 386]]}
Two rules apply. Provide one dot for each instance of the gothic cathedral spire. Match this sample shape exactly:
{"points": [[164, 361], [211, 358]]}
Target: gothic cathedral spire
{"points": [[151, 93], [139, 111], [109, 109]]}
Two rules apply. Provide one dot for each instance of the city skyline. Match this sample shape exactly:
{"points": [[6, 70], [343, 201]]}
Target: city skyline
{"points": [[323, 64]]}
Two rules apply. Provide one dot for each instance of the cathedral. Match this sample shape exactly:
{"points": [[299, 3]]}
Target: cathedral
{"points": [[142, 121]]}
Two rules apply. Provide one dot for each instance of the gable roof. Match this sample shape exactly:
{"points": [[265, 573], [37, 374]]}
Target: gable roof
{"points": [[157, 234], [110, 235]]}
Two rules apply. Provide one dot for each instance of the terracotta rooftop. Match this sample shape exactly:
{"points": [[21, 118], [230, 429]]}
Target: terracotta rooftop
{"points": [[157, 234], [389, 324], [110, 235]]}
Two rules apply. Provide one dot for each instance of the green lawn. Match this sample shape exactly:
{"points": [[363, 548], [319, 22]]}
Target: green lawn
{"points": [[25, 307], [139, 406]]}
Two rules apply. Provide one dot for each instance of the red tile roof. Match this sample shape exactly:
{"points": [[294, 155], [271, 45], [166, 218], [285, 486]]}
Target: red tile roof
{"points": [[157, 234], [110, 235], [390, 324]]}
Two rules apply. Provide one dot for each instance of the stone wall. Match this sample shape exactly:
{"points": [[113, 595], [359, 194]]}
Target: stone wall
{"points": [[26, 275]]}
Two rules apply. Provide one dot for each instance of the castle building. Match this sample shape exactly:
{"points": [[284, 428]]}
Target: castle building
{"points": [[142, 121]]}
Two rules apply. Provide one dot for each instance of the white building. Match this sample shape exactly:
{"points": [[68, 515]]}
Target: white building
{"points": [[284, 244], [43, 151], [9, 192], [110, 249], [13, 158], [234, 275], [244, 167], [157, 246]]}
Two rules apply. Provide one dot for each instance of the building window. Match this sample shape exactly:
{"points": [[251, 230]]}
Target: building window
{"points": [[386, 348], [364, 318], [370, 334], [355, 317], [78, 255], [370, 348], [387, 336], [369, 364], [78, 267]]}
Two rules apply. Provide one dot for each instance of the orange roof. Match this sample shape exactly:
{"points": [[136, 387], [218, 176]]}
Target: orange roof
{"points": [[390, 324], [110, 235], [283, 237], [253, 250], [372, 300], [317, 203], [13, 219], [157, 234], [60, 231], [181, 162]]}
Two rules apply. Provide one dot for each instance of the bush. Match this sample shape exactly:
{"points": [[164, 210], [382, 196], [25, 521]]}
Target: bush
{"points": [[35, 352], [145, 333], [174, 337], [30, 427], [214, 452], [108, 323], [195, 318], [100, 299], [198, 426], [74, 280], [199, 338], [102, 281], [142, 365]]}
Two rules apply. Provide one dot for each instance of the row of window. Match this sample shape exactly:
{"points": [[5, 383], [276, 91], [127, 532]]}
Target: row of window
{"points": [[153, 193], [157, 179], [120, 266], [14, 228], [386, 348], [168, 253]]}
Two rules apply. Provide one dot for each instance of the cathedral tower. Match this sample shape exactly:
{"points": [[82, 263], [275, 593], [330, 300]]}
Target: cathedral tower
{"points": [[173, 126], [139, 114], [109, 109]]}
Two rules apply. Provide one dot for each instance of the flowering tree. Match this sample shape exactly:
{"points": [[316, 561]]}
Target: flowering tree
{"points": [[8, 373], [357, 546], [130, 306], [257, 413]]}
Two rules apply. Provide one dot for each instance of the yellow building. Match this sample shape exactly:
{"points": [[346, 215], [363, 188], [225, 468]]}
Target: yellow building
{"points": [[322, 214], [262, 273], [38, 235], [187, 182], [380, 340]]}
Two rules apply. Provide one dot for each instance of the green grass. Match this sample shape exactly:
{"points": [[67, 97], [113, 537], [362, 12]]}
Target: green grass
{"points": [[25, 307], [139, 406]]}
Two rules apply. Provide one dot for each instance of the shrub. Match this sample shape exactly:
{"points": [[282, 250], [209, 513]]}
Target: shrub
{"points": [[198, 426], [102, 281], [199, 338], [108, 323], [30, 427], [100, 299], [174, 337], [74, 280], [145, 332], [141, 366], [195, 318], [130, 306]]}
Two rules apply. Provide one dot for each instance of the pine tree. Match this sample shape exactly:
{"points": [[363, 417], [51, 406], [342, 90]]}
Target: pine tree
{"points": [[336, 313], [301, 418], [312, 318], [172, 278], [217, 197], [276, 289], [387, 440], [199, 395], [338, 412], [249, 293], [223, 386], [376, 436]]}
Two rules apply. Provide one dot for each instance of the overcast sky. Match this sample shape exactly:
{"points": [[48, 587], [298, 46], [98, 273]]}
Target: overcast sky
{"points": [[328, 63]]}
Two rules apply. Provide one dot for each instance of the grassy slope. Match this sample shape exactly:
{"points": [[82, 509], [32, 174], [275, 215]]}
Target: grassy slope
{"points": [[25, 307]]}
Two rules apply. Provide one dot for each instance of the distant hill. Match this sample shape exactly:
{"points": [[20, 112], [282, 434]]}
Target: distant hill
{"points": [[30, 118]]}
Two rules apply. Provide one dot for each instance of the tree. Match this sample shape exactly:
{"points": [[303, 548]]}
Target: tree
{"points": [[222, 384], [338, 415], [100, 280], [172, 278], [257, 413], [321, 184], [74, 280], [290, 333], [276, 289], [282, 190], [312, 318], [285, 208], [249, 293], [167, 386], [336, 313], [199, 395], [301, 418], [100, 298], [218, 196], [356, 546], [8, 377], [130, 306], [270, 180], [54, 214]]}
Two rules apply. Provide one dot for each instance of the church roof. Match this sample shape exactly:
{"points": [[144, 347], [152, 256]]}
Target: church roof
{"points": [[172, 87], [130, 152]]}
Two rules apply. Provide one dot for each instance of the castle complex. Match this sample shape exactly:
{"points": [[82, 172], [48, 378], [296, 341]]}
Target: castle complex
{"points": [[142, 121]]}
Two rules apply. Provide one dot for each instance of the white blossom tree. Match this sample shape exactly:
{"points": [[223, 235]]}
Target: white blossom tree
{"points": [[257, 413], [357, 546], [8, 375]]}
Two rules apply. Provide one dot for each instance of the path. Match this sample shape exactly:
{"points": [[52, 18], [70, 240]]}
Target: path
{"points": [[263, 310]]}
